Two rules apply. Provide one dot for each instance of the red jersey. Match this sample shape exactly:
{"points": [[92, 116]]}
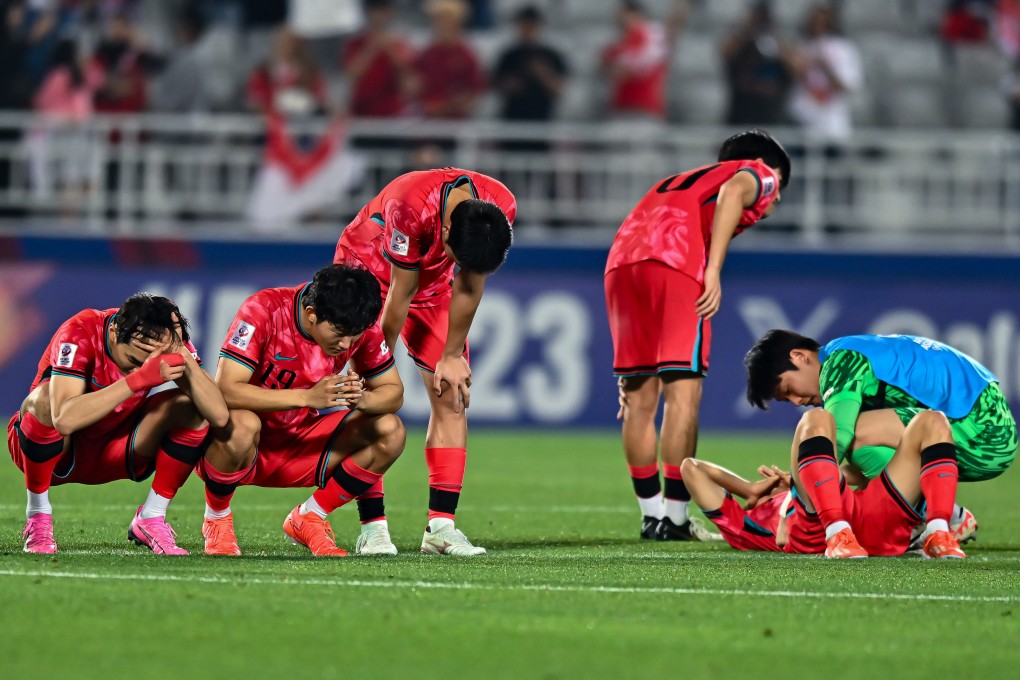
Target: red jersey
{"points": [[81, 349], [672, 224], [448, 72], [266, 337], [403, 225]]}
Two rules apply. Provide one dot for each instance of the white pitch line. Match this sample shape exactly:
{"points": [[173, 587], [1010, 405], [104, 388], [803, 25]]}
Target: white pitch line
{"points": [[438, 585]]}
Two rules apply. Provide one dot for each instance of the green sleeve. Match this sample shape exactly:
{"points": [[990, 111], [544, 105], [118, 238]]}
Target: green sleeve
{"points": [[842, 381]]}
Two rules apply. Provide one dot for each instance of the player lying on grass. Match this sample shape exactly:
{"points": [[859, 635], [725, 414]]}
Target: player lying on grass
{"points": [[874, 385], [662, 284], [89, 417], [880, 516], [297, 420], [432, 238]]}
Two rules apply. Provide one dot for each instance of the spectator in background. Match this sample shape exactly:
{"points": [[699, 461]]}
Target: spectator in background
{"points": [[450, 76], [60, 146], [180, 86], [289, 82], [966, 21], [828, 70], [44, 22], [380, 65], [759, 70], [529, 75], [1007, 27], [637, 65], [122, 60], [15, 83]]}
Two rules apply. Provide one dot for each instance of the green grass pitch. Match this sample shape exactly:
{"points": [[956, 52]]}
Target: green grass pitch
{"points": [[566, 591]]}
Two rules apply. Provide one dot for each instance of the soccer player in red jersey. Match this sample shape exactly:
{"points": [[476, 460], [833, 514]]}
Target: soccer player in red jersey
{"points": [[297, 419], [412, 236], [875, 520], [879, 519], [90, 419], [662, 288]]}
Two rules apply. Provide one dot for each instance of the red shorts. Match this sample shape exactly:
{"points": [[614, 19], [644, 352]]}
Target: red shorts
{"points": [[295, 458], [748, 529], [882, 520], [653, 322], [424, 334], [95, 459]]}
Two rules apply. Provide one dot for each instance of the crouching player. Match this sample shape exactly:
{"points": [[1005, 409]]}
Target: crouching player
{"points": [[89, 418], [296, 420], [880, 516], [879, 519]]}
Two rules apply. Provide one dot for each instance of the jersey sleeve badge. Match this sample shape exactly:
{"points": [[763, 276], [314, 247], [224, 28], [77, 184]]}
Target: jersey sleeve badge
{"points": [[241, 337], [399, 243], [67, 352]]}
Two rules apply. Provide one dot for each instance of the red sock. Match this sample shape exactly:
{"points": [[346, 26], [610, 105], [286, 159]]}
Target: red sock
{"points": [[349, 481], [645, 479], [675, 489], [220, 486], [176, 460], [939, 476], [371, 504], [446, 479], [41, 446], [819, 475]]}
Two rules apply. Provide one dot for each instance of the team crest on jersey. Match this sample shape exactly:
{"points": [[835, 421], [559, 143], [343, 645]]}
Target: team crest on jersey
{"points": [[399, 243], [242, 336], [67, 352], [384, 348], [768, 185]]}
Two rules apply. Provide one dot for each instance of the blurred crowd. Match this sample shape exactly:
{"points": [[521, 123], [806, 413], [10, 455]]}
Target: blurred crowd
{"points": [[69, 58]]}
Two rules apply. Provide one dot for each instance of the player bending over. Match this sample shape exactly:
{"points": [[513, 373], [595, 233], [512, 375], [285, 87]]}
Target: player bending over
{"points": [[662, 288], [412, 236], [297, 420], [873, 385], [89, 418]]}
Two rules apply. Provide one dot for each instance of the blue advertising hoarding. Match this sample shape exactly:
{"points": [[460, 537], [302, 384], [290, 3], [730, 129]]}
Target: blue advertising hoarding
{"points": [[541, 351]]}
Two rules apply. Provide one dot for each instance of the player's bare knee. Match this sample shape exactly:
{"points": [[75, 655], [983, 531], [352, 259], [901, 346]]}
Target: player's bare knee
{"points": [[934, 424], [689, 467], [816, 422], [38, 404], [391, 435]]}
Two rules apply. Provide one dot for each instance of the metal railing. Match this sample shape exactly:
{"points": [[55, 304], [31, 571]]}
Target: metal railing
{"points": [[160, 174]]}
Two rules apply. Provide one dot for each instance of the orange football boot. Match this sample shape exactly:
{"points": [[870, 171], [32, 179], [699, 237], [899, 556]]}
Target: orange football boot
{"points": [[313, 532]]}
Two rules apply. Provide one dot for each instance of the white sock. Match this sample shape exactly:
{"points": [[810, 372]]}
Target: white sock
{"points": [[938, 525], [155, 506], [439, 523], [835, 528], [651, 507], [676, 511], [216, 514], [311, 506], [38, 504], [377, 523]]}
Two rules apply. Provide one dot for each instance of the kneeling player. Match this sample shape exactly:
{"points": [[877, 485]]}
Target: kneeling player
{"points": [[879, 519], [280, 372], [89, 419]]}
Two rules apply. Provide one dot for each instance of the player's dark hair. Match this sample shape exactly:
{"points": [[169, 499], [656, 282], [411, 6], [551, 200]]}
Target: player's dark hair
{"points": [[480, 236], [346, 296], [768, 359], [757, 143], [151, 317]]}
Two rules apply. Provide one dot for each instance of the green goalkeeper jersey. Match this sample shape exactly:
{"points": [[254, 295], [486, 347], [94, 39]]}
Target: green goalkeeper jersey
{"points": [[986, 438]]}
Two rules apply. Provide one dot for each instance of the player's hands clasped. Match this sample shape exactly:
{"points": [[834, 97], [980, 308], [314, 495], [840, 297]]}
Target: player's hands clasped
{"points": [[332, 391], [708, 303], [455, 372]]}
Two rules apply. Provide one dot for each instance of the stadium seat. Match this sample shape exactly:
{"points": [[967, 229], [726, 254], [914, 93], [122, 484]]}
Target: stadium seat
{"points": [[697, 55], [697, 100], [916, 105]]}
